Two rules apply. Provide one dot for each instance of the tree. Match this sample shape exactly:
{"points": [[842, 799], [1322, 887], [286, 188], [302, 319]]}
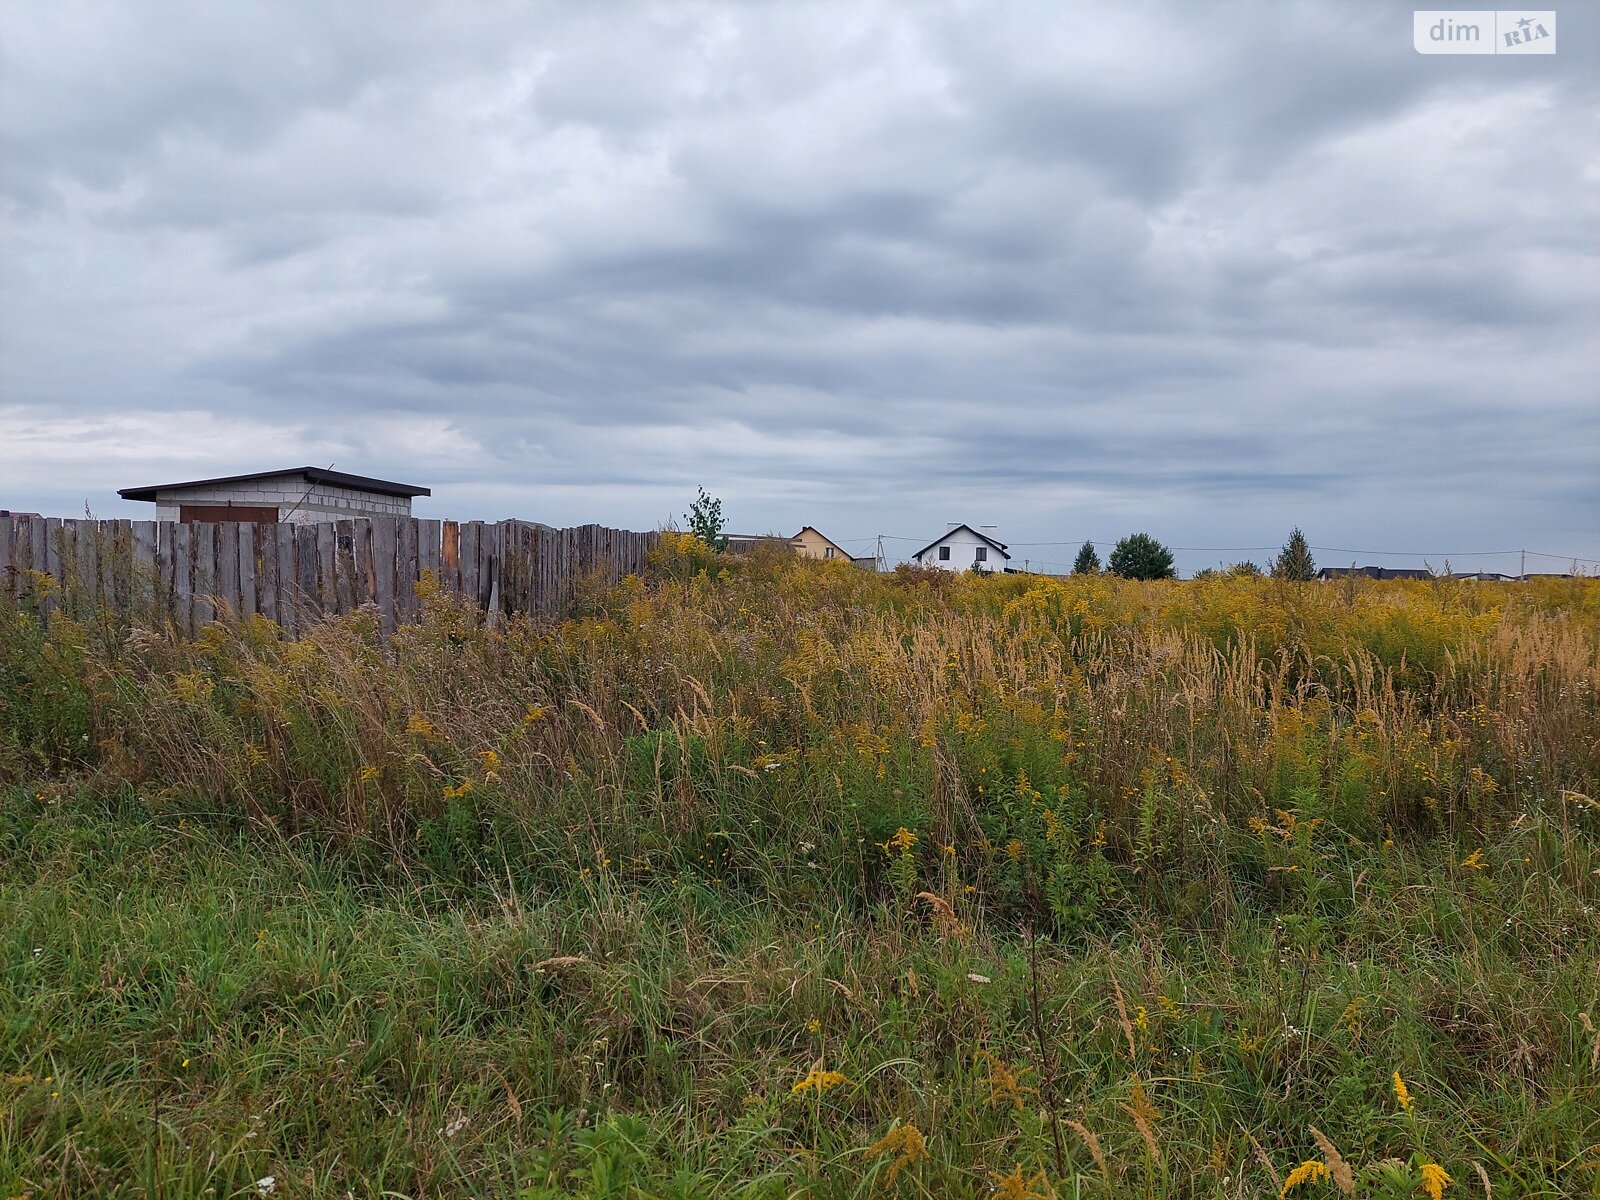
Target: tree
{"points": [[1295, 563], [1088, 560], [705, 520], [1140, 556]]}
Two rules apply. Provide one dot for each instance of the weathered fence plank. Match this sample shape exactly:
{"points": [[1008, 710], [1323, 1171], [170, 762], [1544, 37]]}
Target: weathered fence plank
{"points": [[327, 568], [247, 568], [384, 547], [192, 574]]}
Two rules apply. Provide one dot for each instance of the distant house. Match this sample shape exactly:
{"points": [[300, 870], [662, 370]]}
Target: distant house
{"points": [[808, 543], [963, 548], [1483, 576], [1375, 573], [298, 495]]}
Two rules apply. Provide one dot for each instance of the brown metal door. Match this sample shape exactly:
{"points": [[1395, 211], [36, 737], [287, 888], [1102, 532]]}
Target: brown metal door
{"points": [[262, 515]]}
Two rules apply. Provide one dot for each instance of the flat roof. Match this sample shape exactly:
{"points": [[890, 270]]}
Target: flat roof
{"points": [[363, 483]]}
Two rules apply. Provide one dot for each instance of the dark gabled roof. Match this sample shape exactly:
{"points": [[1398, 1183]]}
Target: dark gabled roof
{"points": [[1000, 546], [363, 483]]}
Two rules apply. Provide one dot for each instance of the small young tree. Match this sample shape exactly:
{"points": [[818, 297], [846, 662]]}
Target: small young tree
{"points": [[705, 520], [1140, 556], [1295, 562], [1088, 560]]}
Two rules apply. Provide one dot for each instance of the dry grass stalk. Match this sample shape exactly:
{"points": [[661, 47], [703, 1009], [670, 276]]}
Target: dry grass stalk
{"points": [[1091, 1140], [1343, 1177], [944, 916]]}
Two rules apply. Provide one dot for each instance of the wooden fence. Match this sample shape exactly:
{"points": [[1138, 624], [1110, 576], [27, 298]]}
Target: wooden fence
{"points": [[190, 574]]}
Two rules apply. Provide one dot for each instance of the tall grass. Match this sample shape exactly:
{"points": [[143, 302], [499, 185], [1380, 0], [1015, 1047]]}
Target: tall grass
{"points": [[1080, 887]]}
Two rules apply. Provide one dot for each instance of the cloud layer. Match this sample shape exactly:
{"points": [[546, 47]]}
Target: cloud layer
{"points": [[1070, 270]]}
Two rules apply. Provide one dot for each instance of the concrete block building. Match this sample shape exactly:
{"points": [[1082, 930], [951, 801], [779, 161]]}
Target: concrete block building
{"points": [[298, 495]]}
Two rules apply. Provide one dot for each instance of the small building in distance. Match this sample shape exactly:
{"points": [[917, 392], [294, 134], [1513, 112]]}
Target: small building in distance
{"points": [[963, 548], [809, 543], [1375, 573], [297, 495]]}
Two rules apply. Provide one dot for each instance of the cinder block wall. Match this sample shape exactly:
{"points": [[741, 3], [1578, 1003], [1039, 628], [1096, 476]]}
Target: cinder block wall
{"points": [[295, 501]]}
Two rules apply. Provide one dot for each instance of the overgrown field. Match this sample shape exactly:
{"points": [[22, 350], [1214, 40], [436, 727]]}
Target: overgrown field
{"points": [[769, 878]]}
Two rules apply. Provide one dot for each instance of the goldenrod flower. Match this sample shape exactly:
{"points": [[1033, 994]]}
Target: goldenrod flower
{"points": [[1015, 1187], [903, 839], [818, 1080], [418, 726], [1434, 1180], [1474, 861], [1401, 1093], [1005, 1083], [1307, 1172], [813, 1026], [367, 774], [907, 1145]]}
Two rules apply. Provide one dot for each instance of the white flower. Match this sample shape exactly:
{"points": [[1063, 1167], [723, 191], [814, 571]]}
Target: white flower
{"points": [[267, 1184]]}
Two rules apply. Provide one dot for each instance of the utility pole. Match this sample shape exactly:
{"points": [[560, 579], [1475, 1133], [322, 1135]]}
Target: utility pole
{"points": [[1522, 572], [877, 558]]}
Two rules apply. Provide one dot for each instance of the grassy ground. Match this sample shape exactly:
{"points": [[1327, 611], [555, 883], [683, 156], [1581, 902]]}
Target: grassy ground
{"points": [[773, 880]]}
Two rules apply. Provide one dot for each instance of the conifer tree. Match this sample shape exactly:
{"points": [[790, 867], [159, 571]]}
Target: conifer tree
{"points": [[1140, 556], [1087, 562], [1295, 562]]}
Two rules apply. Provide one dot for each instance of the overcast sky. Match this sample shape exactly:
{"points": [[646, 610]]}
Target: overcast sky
{"points": [[1073, 270]]}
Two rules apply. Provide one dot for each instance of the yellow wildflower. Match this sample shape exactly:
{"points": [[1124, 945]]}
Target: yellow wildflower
{"points": [[367, 774], [903, 839], [1474, 861], [418, 726], [907, 1145], [813, 1026], [1307, 1172], [1015, 1187], [1401, 1093], [818, 1080], [535, 713], [1434, 1180], [491, 759], [1005, 1083]]}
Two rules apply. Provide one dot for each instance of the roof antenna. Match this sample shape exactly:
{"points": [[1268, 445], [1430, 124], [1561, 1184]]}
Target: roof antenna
{"points": [[306, 495]]}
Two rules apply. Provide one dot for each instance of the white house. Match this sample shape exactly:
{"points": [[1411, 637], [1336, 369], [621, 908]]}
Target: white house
{"points": [[963, 549], [298, 495]]}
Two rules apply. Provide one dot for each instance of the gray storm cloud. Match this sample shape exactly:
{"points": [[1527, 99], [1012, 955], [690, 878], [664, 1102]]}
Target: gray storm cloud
{"points": [[1074, 270]]}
